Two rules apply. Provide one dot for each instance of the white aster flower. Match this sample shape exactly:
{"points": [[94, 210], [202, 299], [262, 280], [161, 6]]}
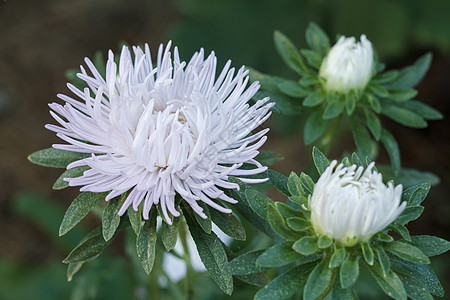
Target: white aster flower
{"points": [[157, 131], [350, 205], [348, 65]]}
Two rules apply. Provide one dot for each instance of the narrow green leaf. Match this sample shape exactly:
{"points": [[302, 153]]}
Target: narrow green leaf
{"points": [[317, 39], [338, 293], [93, 244], [283, 104], [268, 158], [349, 271], [146, 243], [410, 213], [362, 138], [318, 280], [258, 202], [410, 76], [384, 237], [320, 160], [307, 183], [71, 173], [407, 252], [279, 181], [229, 224], [390, 284], [286, 284], [367, 253], [392, 149], [169, 234], [278, 255], [333, 109], [72, 269], [286, 211], [378, 90], [350, 103], [205, 224], [314, 127], [295, 185], [308, 80], [110, 217], [313, 99], [278, 224], [423, 110], [401, 229], [386, 77], [383, 260], [298, 224], [211, 253], [324, 242], [373, 123], [289, 53], [55, 158], [402, 94], [403, 116], [307, 245], [337, 258], [78, 209], [245, 264], [135, 218], [292, 89], [299, 200], [416, 194], [430, 245], [374, 102], [313, 58]]}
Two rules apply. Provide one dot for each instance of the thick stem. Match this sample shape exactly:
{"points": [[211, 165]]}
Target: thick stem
{"points": [[189, 280], [330, 285]]}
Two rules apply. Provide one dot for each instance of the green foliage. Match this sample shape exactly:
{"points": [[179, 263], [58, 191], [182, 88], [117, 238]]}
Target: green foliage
{"points": [[278, 255], [55, 158], [110, 217], [92, 245], [318, 280], [246, 264], [71, 173], [146, 243], [349, 271], [229, 224]]}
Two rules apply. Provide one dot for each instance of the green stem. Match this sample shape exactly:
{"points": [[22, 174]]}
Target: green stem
{"points": [[330, 285], [327, 139], [189, 280]]}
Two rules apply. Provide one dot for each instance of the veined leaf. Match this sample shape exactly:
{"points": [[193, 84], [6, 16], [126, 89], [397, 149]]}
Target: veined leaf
{"points": [[146, 243], [55, 158]]}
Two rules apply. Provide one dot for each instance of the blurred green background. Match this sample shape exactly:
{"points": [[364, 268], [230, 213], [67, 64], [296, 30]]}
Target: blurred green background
{"points": [[40, 40]]}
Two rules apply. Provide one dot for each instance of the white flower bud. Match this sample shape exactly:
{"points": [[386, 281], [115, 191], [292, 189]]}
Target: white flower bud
{"points": [[350, 205], [348, 65]]}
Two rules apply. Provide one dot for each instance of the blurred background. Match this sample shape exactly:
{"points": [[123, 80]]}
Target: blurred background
{"points": [[41, 40]]}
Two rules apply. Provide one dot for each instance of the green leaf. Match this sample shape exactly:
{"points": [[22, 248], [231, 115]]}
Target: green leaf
{"points": [[314, 127], [283, 104], [392, 149], [135, 218], [333, 109], [350, 103], [409, 214], [373, 123], [289, 53], [407, 252], [338, 293], [72, 269], [93, 244], [309, 80], [313, 58], [408, 177], [268, 158], [402, 94], [268, 82], [401, 229], [367, 253], [286, 284], [295, 185], [286, 211], [410, 76], [298, 224], [337, 258], [169, 234], [349, 271], [416, 194], [374, 102], [362, 138], [110, 217], [278, 255], [71, 173], [318, 280], [317, 39], [211, 253], [386, 77], [205, 224], [403, 116], [320, 160], [258, 202], [313, 99], [245, 264], [299, 200], [292, 89], [55, 158], [306, 245], [378, 90], [307, 183], [422, 110], [279, 181], [383, 259], [324, 242], [278, 224], [430, 245], [78, 209], [229, 224], [390, 284], [146, 243], [419, 273]]}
